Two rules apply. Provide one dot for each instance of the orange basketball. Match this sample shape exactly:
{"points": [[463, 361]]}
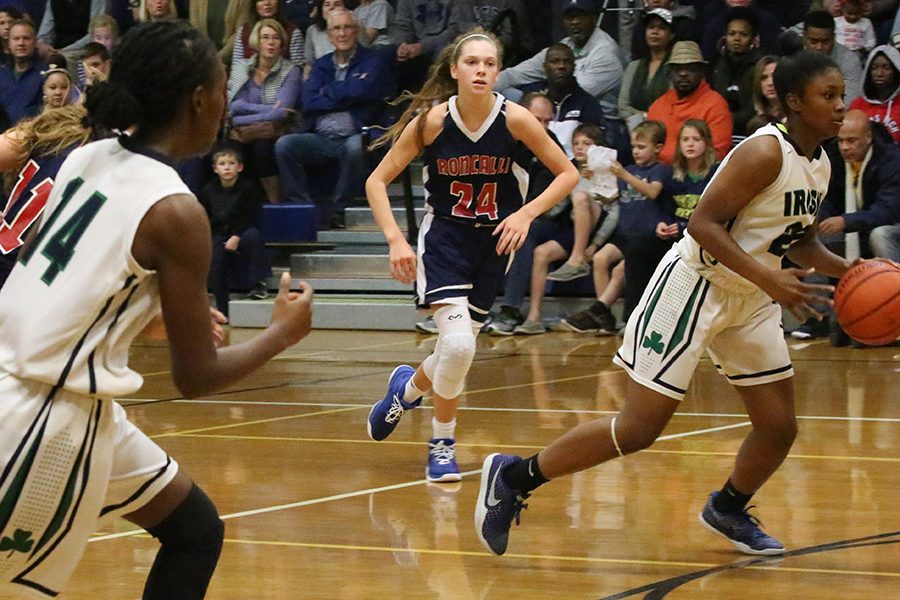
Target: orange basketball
{"points": [[867, 302]]}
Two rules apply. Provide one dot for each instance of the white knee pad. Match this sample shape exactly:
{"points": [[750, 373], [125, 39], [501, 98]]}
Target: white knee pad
{"points": [[454, 351], [457, 352]]}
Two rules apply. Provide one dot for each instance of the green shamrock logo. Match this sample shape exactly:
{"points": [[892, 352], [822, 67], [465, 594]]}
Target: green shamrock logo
{"points": [[654, 342], [20, 542]]}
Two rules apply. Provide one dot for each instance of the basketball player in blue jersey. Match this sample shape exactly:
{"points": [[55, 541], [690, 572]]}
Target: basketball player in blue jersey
{"points": [[475, 190], [712, 293], [35, 148], [120, 237]]}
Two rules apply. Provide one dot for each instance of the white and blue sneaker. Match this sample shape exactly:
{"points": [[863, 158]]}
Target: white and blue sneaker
{"points": [[442, 465], [497, 504], [741, 528], [386, 413]]}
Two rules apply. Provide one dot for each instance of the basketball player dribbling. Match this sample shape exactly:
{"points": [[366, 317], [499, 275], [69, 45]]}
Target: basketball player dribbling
{"points": [[121, 236], [475, 189], [713, 292]]}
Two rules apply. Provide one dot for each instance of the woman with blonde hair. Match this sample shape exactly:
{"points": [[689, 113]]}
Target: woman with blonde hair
{"points": [[156, 10], [246, 16], [34, 149], [470, 139], [263, 90]]}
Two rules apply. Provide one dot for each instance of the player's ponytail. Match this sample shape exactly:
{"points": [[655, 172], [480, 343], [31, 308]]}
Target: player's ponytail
{"points": [[111, 106], [438, 87]]}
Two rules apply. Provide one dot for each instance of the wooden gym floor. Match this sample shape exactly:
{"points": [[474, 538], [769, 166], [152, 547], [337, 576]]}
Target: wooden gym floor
{"points": [[314, 509]]}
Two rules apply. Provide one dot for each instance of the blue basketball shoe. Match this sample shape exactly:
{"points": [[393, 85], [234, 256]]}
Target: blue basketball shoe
{"points": [[386, 413], [741, 528], [497, 504], [442, 465]]}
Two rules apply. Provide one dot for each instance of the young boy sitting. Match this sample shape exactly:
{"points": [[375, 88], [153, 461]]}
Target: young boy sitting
{"points": [[640, 185], [233, 203], [585, 211]]}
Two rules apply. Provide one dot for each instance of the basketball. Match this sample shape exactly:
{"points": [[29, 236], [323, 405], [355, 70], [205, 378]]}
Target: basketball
{"points": [[867, 302]]}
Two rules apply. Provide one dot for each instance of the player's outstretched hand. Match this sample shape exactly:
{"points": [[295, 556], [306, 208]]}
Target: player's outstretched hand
{"points": [[403, 262], [787, 288], [512, 231], [292, 312]]}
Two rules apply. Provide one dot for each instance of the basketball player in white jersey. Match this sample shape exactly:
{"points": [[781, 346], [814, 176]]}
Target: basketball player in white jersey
{"points": [[713, 293], [121, 236]]}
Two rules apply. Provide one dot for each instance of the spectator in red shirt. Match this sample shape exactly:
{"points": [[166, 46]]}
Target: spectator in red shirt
{"points": [[691, 98]]}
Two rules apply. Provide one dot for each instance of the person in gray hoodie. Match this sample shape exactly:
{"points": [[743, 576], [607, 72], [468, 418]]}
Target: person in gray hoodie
{"points": [[880, 87]]}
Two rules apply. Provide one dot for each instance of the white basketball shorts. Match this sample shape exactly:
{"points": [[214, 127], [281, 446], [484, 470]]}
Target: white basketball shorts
{"points": [[68, 463], [681, 315]]}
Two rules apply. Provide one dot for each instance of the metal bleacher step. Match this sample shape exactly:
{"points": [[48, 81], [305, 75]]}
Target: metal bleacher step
{"points": [[391, 312], [361, 218], [384, 312], [367, 285], [361, 261]]}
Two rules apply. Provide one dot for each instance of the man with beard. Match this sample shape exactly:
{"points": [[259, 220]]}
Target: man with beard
{"points": [[597, 67], [570, 101], [691, 98], [733, 74]]}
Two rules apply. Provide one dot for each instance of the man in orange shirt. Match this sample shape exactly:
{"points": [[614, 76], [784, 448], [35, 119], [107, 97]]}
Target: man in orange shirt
{"points": [[691, 98]]}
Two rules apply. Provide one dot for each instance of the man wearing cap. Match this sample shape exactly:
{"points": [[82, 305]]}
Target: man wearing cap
{"points": [[597, 66], [818, 35], [691, 98]]}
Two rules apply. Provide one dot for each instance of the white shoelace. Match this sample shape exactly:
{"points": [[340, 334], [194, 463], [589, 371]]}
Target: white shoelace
{"points": [[442, 453], [396, 411]]}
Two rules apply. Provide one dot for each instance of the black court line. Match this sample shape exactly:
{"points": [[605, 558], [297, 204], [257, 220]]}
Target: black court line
{"points": [[659, 589]]}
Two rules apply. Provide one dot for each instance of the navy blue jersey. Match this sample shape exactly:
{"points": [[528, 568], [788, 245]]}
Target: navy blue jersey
{"points": [[25, 204], [475, 175]]}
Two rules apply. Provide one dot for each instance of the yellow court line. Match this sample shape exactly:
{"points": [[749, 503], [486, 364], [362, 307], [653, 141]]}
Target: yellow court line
{"points": [[577, 559], [304, 355], [155, 373], [257, 422], [352, 348], [804, 456], [263, 438], [533, 383]]}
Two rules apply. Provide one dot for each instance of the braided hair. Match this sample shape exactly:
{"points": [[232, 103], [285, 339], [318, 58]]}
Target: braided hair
{"points": [[153, 70]]}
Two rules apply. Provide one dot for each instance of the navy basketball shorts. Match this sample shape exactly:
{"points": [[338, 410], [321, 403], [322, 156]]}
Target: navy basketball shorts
{"points": [[458, 264]]}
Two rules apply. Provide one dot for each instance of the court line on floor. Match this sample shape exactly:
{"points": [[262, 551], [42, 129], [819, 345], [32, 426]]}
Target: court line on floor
{"points": [[255, 422], [357, 493], [288, 357], [514, 555], [530, 447], [299, 504], [139, 401]]}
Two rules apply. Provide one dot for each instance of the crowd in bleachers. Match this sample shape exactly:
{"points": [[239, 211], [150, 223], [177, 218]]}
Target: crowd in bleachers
{"points": [[669, 85]]}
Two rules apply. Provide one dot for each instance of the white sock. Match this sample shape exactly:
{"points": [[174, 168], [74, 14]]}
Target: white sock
{"points": [[443, 430], [412, 393]]}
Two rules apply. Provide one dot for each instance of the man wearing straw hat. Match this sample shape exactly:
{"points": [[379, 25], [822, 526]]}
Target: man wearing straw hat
{"points": [[691, 98]]}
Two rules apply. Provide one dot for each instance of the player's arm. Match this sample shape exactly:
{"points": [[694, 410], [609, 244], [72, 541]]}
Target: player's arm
{"points": [[809, 251], [525, 127], [753, 167], [174, 240], [402, 152]]}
